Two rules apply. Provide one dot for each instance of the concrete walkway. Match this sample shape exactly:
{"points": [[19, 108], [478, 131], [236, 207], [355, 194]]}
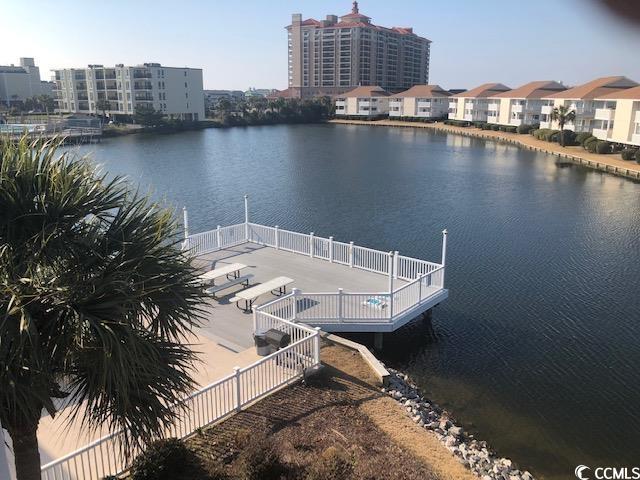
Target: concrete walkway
{"points": [[58, 437], [611, 163]]}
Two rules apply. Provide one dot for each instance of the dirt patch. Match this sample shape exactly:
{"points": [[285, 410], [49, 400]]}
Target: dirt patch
{"points": [[343, 408]]}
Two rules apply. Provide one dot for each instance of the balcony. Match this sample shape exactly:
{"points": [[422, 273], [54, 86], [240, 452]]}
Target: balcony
{"points": [[517, 108], [601, 133], [141, 74], [453, 105], [635, 138], [493, 107], [546, 110], [142, 86], [606, 114], [143, 98], [637, 117], [111, 85]]}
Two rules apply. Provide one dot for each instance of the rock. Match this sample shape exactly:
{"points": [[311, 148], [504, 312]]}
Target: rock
{"points": [[457, 431], [450, 441], [445, 424]]}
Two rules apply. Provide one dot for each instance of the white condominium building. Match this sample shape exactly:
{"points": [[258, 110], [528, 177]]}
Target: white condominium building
{"points": [[617, 117], [420, 101], [17, 83], [472, 105], [580, 99], [334, 55], [174, 91], [363, 102], [521, 106]]}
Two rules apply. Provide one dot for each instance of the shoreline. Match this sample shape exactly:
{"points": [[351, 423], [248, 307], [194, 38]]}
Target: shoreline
{"points": [[464, 449], [611, 163]]}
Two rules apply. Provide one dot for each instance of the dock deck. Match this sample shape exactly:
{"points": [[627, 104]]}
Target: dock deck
{"points": [[339, 287]]}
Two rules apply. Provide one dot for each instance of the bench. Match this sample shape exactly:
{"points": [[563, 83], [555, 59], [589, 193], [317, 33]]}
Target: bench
{"points": [[234, 281], [277, 285]]}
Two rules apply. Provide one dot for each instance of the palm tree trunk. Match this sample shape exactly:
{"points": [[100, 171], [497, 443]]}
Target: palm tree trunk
{"points": [[25, 450]]}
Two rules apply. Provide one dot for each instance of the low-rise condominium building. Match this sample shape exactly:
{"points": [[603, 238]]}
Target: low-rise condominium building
{"points": [[420, 101], [581, 100], [175, 91], [472, 105], [522, 105], [617, 117], [366, 102]]}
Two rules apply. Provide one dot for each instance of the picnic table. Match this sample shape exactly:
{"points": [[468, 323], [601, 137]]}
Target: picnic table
{"points": [[278, 285]]}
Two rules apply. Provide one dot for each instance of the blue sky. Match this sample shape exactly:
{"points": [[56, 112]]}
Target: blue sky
{"points": [[243, 43]]}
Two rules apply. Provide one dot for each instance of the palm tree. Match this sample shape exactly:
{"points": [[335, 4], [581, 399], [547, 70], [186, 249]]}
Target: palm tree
{"points": [[562, 115], [95, 301]]}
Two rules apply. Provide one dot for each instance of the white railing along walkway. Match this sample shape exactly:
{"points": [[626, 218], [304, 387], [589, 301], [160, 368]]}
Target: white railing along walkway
{"points": [[208, 405]]}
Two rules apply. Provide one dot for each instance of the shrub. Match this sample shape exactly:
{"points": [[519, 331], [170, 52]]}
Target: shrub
{"points": [[511, 129], [581, 137], [602, 146], [495, 127], [638, 156], [486, 126], [551, 135], [629, 153], [478, 124], [591, 146], [569, 137], [589, 141], [332, 464], [162, 460], [524, 128], [534, 132], [259, 460]]}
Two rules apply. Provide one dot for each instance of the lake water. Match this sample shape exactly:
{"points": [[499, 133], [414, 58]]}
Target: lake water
{"points": [[537, 349]]}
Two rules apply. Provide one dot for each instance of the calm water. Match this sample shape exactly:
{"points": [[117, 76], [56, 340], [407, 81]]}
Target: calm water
{"points": [[537, 348]]}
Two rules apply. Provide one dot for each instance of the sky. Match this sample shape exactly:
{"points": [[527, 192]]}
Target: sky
{"points": [[243, 43]]}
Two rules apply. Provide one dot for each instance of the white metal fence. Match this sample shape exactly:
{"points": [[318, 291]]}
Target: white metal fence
{"points": [[210, 404]]}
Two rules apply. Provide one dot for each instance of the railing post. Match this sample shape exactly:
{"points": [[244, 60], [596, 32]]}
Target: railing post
{"points": [[396, 254], [444, 255], [311, 245], [295, 292], [421, 279], [255, 319], [340, 303], [391, 276], [351, 254], [238, 395], [185, 222], [316, 347], [331, 249], [277, 234], [246, 217], [219, 236], [4, 456]]}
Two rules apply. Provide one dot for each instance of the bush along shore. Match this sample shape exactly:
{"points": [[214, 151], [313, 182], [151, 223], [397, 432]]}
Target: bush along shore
{"points": [[472, 453]]}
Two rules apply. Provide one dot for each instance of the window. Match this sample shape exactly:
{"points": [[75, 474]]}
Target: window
{"points": [[185, 85], [185, 73]]}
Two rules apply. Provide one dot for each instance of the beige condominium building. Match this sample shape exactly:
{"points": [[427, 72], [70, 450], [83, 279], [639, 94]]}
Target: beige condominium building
{"points": [[175, 91], [366, 102], [472, 105], [17, 83], [337, 54], [580, 99], [420, 101], [617, 117], [522, 105]]}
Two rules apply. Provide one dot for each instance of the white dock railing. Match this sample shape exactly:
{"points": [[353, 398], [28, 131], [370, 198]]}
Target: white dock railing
{"points": [[425, 278], [363, 258], [206, 406]]}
